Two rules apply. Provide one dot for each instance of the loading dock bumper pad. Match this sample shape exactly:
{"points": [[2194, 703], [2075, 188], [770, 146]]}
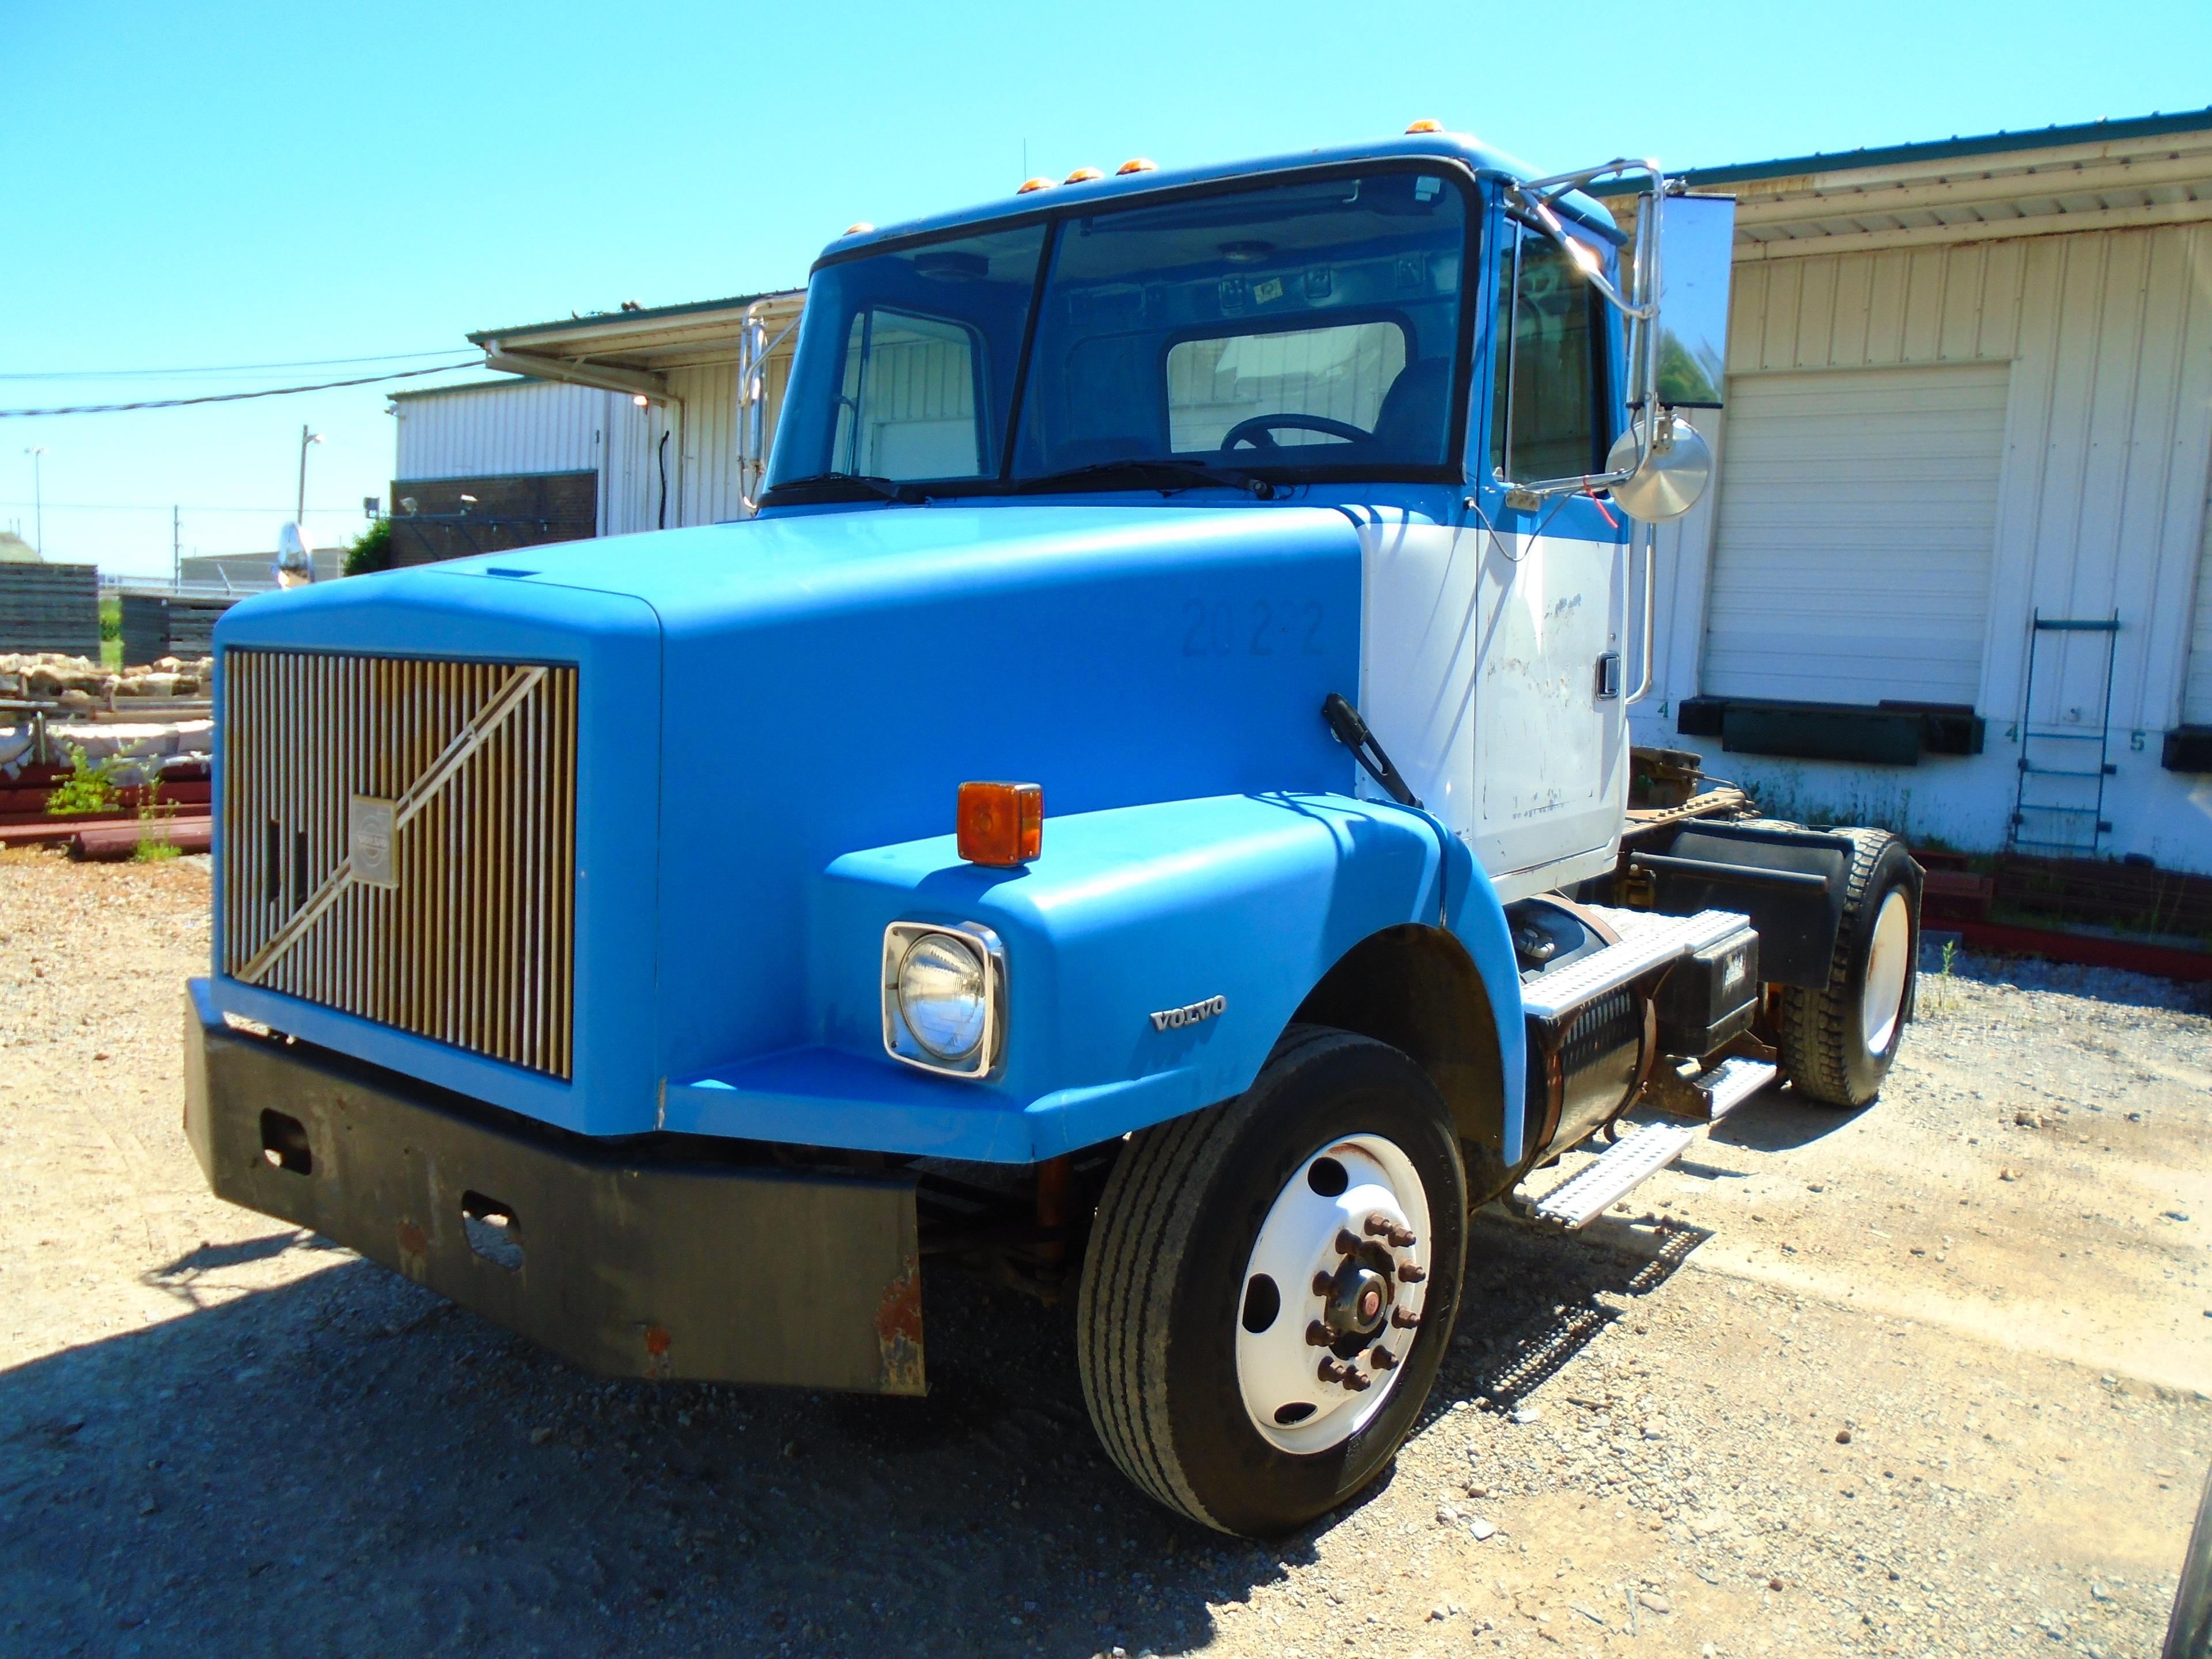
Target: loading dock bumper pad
{"points": [[626, 1262]]}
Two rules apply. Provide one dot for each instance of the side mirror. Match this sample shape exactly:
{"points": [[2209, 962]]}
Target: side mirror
{"points": [[1674, 474], [1697, 242]]}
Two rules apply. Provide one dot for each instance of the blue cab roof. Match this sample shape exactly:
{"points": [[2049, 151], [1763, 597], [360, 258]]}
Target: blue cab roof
{"points": [[1456, 147]]}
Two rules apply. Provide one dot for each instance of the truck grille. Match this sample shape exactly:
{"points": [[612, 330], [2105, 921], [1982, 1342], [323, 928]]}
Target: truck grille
{"points": [[398, 842]]}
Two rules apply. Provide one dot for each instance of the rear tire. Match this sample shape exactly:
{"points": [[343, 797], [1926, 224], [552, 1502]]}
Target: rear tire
{"points": [[1168, 1296], [1838, 1042]]}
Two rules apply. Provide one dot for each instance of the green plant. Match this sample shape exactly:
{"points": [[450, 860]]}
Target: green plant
{"points": [[371, 550], [155, 818], [111, 617], [89, 787]]}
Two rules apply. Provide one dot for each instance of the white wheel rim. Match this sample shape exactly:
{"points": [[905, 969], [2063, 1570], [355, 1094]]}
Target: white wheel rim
{"points": [[1888, 961], [1279, 1370]]}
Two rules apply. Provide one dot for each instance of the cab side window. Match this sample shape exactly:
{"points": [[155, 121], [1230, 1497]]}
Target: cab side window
{"points": [[908, 404], [1546, 421]]}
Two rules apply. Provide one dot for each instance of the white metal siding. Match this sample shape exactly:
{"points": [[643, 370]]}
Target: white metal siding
{"points": [[2197, 693], [2107, 335], [1856, 520], [513, 426], [710, 490]]}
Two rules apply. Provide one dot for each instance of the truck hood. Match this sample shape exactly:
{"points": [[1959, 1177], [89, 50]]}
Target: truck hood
{"points": [[760, 699]]}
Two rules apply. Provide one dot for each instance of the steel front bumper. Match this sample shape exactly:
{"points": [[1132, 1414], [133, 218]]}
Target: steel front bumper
{"points": [[627, 1261]]}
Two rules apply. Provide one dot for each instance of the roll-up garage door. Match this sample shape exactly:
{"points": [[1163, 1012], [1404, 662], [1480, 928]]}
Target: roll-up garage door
{"points": [[1857, 517]]}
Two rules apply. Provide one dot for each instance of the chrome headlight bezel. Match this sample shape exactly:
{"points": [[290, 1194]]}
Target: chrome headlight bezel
{"points": [[900, 1042]]}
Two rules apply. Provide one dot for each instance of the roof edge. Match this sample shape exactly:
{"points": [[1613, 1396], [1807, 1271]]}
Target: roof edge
{"points": [[1995, 143]]}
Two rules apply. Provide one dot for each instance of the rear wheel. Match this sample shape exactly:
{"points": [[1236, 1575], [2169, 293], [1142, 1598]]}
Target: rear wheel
{"points": [[1838, 1042], [1270, 1286]]}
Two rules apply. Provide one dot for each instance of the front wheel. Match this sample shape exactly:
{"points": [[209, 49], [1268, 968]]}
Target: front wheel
{"points": [[1272, 1284]]}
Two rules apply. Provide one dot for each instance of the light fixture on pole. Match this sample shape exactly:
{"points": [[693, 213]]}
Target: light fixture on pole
{"points": [[300, 512], [38, 499]]}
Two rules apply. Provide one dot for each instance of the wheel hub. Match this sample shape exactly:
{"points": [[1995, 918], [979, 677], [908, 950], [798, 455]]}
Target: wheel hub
{"points": [[1335, 1292], [1358, 1301]]}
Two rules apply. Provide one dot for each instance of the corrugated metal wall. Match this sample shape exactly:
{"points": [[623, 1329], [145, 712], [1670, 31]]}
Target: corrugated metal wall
{"points": [[511, 426], [540, 426], [2196, 695], [2100, 498]]}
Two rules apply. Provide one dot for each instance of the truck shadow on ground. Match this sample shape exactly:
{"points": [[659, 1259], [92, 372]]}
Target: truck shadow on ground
{"points": [[347, 1464]]}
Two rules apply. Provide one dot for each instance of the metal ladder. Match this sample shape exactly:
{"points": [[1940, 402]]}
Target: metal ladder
{"points": [[2059, 810]]}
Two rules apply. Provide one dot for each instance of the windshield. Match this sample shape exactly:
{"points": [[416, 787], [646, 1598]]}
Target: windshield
{"points": [[1300, 330]]}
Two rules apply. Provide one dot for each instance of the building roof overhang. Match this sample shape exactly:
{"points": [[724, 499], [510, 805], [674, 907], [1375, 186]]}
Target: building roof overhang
{"points": [[634, 350], [2101, 175]]}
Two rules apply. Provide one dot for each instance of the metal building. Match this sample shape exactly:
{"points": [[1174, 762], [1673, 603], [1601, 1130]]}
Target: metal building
{"points": [[1955, 576], [624, 421]]}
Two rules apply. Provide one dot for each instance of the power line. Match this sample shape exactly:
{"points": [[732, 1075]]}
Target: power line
{"points": [[236, 397], [213, 368], [163, 506]]}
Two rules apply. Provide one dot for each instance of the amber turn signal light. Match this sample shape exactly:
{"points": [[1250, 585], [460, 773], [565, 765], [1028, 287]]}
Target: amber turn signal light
{"points": [[1001, 824]]}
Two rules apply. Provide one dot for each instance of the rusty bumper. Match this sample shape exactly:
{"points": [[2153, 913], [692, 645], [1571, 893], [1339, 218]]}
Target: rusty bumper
{"points": [[627, 1260]]}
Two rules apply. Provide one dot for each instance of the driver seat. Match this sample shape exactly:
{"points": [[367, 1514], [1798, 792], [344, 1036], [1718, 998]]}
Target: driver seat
{"points": [[1410, 425]]}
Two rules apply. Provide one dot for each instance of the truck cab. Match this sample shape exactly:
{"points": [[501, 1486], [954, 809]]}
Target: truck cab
{"points": [[1144, 808]]}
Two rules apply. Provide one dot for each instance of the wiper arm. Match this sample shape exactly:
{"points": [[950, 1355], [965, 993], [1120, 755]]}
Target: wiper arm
{"points": [[884, 489], [1149, 474]]}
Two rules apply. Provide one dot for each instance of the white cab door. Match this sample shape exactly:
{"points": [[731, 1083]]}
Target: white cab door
{"points": [[1480, 674]]}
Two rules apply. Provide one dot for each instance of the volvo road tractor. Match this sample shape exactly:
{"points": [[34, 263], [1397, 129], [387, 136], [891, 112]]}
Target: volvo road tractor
{"points": [[1145, 807]]}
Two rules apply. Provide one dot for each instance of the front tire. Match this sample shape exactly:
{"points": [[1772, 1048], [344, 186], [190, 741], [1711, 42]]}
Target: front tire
{"points": [[1838, 1042], [1195, 1354]]}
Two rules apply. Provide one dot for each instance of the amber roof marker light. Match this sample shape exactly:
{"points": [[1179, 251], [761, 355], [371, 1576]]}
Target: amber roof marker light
{"points": [[1038, 183], [1000, 824], [1425, 124], [1137, 164], [1083, 176]]}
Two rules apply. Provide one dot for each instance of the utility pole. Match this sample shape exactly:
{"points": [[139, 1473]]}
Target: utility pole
{"points": [[38, 499], [300, 512], [176, 548]]}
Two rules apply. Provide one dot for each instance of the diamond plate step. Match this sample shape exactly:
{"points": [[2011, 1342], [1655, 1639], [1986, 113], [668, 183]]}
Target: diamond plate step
{"points": [[1731, 1082], [1633, 1161], [1551, 996]]}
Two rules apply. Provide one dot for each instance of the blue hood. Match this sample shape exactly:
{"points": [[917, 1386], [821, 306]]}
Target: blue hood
{"points": [[760, 699]]}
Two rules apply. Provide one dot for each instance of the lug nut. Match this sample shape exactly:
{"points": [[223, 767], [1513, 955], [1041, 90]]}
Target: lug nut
{"points": [[1345, 1243], [1324, 1285], [1404, 1321], [1332, 1369], [1317, 1335], [1411, 1274], [1384, 1359], [1357, 1380], [1401, 1239], [1379, 1225]]}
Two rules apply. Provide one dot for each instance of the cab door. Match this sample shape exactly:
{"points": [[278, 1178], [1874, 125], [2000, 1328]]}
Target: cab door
{"points": [[1551, 734]]}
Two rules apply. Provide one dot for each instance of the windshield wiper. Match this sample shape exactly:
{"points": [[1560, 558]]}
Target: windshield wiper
{"points": [[829, 486], [1158, 473]]}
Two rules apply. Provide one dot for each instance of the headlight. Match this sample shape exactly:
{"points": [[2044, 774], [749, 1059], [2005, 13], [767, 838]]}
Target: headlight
{"points": [[944, 996], [941, 992]]}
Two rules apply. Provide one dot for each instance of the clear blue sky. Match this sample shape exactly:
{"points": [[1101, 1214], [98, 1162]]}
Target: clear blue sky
{"points": [[184, 186]]}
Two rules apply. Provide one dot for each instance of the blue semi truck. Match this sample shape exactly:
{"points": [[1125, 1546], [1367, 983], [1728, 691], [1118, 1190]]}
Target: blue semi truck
{"points": [[1144, 808]]}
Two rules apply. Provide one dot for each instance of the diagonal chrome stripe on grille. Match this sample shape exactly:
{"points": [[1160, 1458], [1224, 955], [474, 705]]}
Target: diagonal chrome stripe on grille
{"points": [[473, 942]]}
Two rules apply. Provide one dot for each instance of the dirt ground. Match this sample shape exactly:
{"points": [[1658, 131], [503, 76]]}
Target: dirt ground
{"points": [[1924, 1379]]}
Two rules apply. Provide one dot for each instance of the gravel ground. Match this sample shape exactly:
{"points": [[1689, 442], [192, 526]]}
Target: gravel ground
{"points": [[1919, 1380]]}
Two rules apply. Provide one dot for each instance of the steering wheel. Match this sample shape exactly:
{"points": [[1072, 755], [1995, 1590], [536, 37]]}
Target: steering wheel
{"points": [[1258, 430]]}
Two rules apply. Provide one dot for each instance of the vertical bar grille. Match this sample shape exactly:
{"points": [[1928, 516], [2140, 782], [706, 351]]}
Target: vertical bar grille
{"points": [[475, 946]]}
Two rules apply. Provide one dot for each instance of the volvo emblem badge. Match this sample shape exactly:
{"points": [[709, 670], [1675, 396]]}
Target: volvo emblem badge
{"points": [[368, 842], [1169, 1019]]}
